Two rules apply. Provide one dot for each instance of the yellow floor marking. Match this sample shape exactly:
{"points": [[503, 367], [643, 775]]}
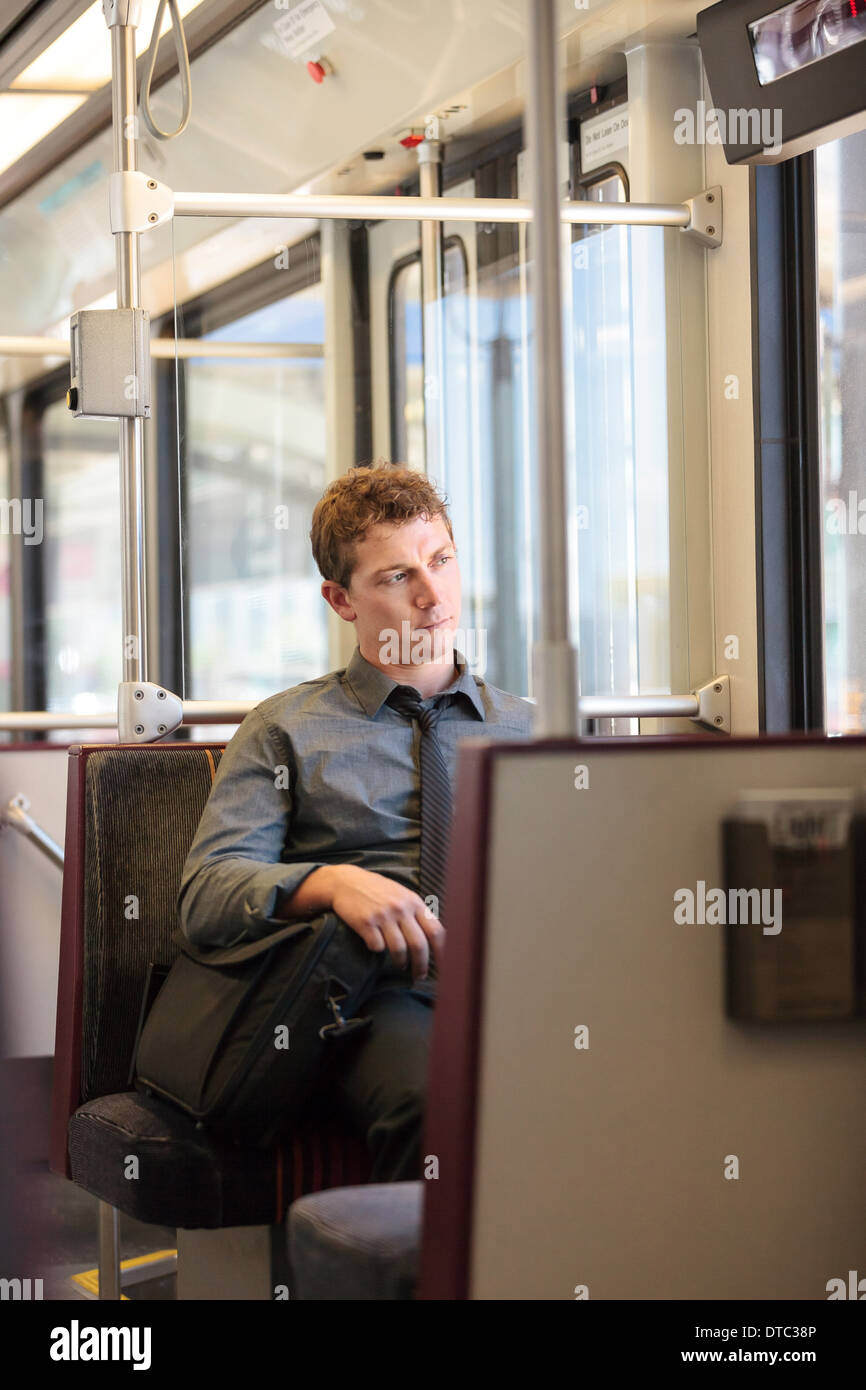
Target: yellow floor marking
{"points": [[88, 1280]]}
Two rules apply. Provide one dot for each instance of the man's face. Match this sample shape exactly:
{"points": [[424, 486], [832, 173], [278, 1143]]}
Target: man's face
{"points": [[404, 595]]}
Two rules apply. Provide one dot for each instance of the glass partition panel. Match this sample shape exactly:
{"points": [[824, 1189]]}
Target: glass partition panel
{"points": [[841, 216], [253, 449], [81, 559], [623, 399], [406, 355], [406, 324], [260, 436]]}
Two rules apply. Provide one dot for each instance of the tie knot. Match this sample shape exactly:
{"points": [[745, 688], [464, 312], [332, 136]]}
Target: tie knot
{"points": [[405, 699]]}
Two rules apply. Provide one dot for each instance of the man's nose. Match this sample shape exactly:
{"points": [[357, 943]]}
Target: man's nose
{"points": [[429, 591]]}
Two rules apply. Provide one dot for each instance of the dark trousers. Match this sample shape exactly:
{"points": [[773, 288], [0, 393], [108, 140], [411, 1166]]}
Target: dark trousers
{"points": [[379, 1082]]}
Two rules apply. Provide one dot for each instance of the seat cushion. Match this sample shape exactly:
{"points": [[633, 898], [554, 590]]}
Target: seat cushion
{"points": [[150, 1161], [357, 1242]]}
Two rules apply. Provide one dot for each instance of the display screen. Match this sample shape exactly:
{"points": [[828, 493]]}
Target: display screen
{"points": [[804, 32]]}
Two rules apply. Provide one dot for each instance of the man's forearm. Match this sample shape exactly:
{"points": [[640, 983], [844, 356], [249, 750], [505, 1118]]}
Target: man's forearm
{"points": [[314, 895]]}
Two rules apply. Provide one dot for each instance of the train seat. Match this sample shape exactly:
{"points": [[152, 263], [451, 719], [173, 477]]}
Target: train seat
{"points": [[131, 814], [357, 1243]]}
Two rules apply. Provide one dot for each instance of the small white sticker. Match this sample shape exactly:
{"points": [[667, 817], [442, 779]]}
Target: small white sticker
{"points": [[302, 27]]}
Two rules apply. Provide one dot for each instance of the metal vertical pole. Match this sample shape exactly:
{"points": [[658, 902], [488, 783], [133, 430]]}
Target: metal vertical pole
{"points": [[109, 1253], [21, 568], [133, 555], [432, 301], [555, 664]]}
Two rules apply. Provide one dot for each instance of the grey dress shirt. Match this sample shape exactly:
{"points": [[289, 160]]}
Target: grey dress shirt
{"points": [[323, 773]]}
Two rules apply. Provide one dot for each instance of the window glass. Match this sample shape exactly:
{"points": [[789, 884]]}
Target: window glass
{"points": [[407, 365], [841, 218], [483, 470], [405, 318], [618, 398], [254, 461], [492, 487], [81, 557], [619, 403]]}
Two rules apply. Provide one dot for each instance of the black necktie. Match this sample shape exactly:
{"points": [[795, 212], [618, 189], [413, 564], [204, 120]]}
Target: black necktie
{"points": [[435, 794]]}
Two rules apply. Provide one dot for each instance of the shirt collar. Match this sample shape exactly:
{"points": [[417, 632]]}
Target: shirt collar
{"points": [[372, 687]]}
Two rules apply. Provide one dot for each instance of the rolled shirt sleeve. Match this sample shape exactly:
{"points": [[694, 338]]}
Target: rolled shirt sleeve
{"points": [[234, 872]]}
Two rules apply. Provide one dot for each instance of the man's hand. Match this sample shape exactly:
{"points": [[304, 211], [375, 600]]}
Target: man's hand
{"points": [[386, 916]]}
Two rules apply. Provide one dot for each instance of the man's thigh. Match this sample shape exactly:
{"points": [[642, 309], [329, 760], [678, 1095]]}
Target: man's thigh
{"points": [[386, 1068]]}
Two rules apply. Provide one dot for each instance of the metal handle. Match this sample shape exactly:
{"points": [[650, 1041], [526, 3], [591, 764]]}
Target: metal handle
{"points": [[14, 814]]}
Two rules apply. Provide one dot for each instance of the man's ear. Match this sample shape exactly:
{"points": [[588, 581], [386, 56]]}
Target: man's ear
{"points": [[338, 598]]}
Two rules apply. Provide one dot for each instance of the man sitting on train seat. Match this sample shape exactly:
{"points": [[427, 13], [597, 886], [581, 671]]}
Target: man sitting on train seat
{"points": [[316, 805]]}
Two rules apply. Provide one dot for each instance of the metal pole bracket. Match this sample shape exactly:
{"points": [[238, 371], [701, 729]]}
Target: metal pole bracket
{"points": [[714, 704], [705, 212], [146, 712], [126, 12], [137, 201]]}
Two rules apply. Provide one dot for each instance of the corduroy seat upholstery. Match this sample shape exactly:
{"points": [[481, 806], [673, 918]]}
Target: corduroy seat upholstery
{"points": [[131, 814], [357, 1243]]}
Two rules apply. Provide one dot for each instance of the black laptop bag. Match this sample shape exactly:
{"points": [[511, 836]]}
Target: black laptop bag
{"points": [[239, 1037]]}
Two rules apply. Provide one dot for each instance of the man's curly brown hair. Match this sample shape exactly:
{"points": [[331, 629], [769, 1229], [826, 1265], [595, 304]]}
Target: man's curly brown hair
{"points": [[362, 497]]}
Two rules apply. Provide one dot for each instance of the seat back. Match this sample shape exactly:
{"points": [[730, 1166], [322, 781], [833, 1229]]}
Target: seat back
{"points": [[132, 812]]}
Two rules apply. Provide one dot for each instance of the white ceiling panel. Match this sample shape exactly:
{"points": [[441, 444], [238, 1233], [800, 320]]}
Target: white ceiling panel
{"points": [[260, 124]]}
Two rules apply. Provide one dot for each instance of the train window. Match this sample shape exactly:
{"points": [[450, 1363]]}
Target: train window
{"points": [[406, 347], [478, 452], [625, 388], [407, 363], [81, 562], [622, 284], [254, 464], [626, 513], [841, 226], [479, 457], [609, 185], [602, 351], [501, 501]]}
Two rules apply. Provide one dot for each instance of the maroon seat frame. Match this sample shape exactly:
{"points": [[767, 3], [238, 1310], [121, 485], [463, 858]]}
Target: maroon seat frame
{"points": [[314, 1157]]}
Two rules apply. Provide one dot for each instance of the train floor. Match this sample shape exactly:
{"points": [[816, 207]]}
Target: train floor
{"points": [[50, 1226], [67, 1220]]}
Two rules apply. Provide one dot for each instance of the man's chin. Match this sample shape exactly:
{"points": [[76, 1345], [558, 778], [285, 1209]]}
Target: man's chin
{"points": [[433, 645]]}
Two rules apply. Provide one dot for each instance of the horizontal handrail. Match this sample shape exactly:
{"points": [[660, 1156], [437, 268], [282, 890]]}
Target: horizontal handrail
{"points": [[582, 212], [166, 347], [14, 814], [638, 706], [233, 711], [194, 712]]}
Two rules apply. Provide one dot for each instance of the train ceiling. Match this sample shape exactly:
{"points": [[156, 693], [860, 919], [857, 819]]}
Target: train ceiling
{"points": [[261, 121]]}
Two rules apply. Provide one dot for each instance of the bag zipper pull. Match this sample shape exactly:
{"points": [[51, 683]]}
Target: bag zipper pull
{"points": [[341, 1026]]}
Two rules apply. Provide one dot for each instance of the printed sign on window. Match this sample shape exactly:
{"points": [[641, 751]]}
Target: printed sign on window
{"points": [[604, 138]]}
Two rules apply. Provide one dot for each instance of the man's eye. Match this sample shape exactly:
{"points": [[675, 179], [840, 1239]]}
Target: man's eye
{"points": [[443, 559], [401, 575]]}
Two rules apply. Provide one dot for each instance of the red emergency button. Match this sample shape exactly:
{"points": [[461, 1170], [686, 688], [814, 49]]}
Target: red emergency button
{"points": [[410, 141], [316, 71]]}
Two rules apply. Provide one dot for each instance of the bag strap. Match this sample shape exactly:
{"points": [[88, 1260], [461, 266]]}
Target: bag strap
{"points": [[246, 950]]}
